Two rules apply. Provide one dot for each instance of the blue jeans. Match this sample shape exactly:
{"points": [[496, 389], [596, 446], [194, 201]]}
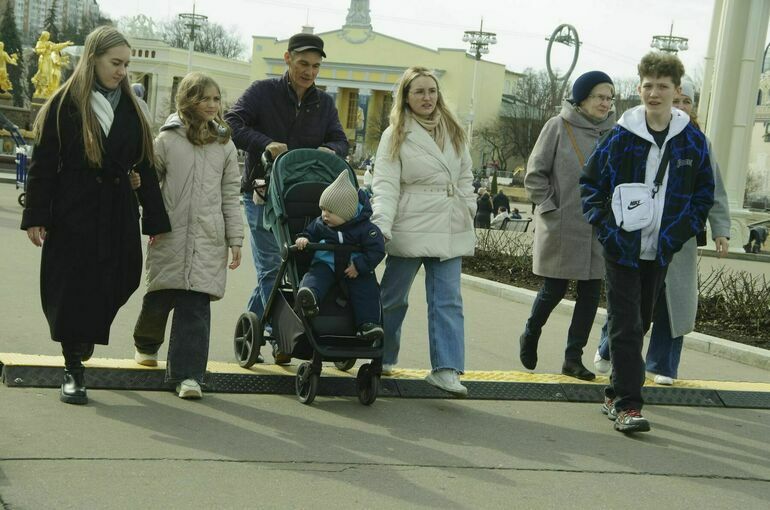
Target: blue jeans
{"points": [[446, 323], [549, 295], [663, 352], [188, 345], [264, 250]]}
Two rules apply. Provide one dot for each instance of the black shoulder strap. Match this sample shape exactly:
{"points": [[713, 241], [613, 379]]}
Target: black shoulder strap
{"points": [[662, 168]]}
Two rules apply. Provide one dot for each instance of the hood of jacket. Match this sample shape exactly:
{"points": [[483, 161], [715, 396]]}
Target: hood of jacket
{"points": [[174, 121], [635, 121], [571, 114]]}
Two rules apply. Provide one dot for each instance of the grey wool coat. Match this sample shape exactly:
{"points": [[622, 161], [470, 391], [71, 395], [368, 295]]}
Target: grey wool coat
{"points": [[682, 276], [565, 243]]}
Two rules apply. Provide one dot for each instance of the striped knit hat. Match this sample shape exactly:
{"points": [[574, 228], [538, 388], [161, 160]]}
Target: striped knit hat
{"points": [[340, 197]]}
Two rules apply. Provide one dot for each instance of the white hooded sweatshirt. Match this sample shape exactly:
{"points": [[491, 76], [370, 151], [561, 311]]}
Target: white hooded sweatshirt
{"points": [[635, 121]]}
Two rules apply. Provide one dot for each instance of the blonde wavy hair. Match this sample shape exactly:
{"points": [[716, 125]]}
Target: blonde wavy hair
{"points": [[78, 88], [191, 92], [400, 110]]}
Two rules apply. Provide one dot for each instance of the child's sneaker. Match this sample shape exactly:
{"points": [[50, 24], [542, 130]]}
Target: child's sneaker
{"points": [[387, 369], [370, 331], [307, 302], [146, 360], [189, 388], [602, 366]]}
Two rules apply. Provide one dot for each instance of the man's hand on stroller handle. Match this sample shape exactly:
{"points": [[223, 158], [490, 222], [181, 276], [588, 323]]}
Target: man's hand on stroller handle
{"points": [[276, 148]]}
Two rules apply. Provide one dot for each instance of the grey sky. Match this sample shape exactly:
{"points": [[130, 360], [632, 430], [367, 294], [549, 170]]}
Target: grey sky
{"points": [[615, 33]]}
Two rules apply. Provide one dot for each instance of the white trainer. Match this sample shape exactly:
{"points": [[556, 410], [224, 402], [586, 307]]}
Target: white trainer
{"points": [[663, 380], [147, 360], [189, 388], [447, 379], [388, 369], [602, 366]]}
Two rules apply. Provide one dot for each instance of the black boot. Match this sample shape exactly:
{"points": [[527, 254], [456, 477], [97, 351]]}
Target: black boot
{"points": [[73, 390], [575, 368], [528, 350]]}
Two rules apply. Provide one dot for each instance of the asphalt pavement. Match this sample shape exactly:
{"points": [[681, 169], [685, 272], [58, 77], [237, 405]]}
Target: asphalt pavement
{"points": [[129, 449]]}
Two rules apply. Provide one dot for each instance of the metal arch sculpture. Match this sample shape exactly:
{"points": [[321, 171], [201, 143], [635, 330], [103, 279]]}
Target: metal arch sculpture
{"points": [[564, 34]]}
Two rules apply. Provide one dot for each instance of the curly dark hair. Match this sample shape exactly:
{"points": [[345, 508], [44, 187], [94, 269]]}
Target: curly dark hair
{"points": [[655, 65]]}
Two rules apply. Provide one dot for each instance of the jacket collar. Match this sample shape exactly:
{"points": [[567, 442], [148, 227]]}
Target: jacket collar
{"points": [[422, 139], [311, 95], [635, 121]]}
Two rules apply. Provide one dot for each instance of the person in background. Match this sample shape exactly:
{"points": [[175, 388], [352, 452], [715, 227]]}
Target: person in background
{"points": [[484, 209], [500, 200], [80, 204], [515, 214], [654, 145], [565, 246], [138, 90], [499, 220], [277, 115], [677, 306], [187, 268], [424, 205]]}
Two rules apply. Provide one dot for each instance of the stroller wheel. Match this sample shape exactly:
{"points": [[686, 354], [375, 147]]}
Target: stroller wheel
{"points": [[21, 199], [367, 384], [306, 383], [247, 340], [345, 365]]}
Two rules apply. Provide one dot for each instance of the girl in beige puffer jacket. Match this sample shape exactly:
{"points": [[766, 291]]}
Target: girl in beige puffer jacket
{"points": [[186, 269]]}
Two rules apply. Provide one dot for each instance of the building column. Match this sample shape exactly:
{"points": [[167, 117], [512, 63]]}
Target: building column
{"points": [[361, 117], [730, 112]]}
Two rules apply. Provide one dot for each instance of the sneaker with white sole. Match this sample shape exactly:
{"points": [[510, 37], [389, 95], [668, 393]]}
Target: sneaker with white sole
{"points": [[631, 420], [146, 360], [602, 366], [448, 380], [608, 408], [663, 380], [387, 369], [189, 388]]}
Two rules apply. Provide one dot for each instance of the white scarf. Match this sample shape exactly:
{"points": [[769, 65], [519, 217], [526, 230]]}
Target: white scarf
{"points": [[103, 111]]}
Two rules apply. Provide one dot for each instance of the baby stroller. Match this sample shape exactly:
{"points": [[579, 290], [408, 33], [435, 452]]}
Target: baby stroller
{"points": [[296, 181], [22, 155]]}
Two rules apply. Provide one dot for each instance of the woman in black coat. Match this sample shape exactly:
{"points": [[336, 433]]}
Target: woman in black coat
{"points": [[484, 209], [80, 206]]}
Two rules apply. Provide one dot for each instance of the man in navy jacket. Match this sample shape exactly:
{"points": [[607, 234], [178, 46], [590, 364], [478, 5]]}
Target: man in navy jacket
{"points": [[277, 115]]}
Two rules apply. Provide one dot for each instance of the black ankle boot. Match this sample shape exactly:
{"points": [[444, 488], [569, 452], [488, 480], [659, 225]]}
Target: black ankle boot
{"points": [[528, 350], [575, 368], [73, 390]]}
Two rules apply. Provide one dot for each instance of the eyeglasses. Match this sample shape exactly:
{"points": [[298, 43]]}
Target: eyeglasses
{"points": [[602, 99]]}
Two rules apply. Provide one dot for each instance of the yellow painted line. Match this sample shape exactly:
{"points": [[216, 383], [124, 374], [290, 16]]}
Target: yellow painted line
{"points": [[507, 376]]}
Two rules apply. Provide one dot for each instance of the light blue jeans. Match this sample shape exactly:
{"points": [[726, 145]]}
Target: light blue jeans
{"points": [[264, 250], [446, 323]]}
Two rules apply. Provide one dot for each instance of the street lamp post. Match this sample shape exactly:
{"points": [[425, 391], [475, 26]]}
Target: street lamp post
{"points": [[479, 45], [193, 21], [669, 43]]}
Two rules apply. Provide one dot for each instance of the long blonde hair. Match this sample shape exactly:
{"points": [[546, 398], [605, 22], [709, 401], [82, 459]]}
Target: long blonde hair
{"points": [[400, 110], [79, 87], [190, 93]]}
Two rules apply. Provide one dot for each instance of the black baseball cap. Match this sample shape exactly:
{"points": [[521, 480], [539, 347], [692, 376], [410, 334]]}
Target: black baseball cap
{"points": [[305, 42]]}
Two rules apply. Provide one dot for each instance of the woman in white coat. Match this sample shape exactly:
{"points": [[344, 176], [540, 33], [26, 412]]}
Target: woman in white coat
{"points": [[424, 204], [187, 268]]}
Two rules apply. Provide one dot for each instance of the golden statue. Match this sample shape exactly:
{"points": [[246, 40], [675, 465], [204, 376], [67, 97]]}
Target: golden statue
{"points": [[5, 58], [49, 65]]}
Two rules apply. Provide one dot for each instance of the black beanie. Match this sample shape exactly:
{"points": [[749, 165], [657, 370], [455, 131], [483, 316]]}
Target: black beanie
{"points": [[586, 82]]}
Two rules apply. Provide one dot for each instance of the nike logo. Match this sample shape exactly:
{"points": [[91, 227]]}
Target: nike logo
{"points": [[634, 204]]}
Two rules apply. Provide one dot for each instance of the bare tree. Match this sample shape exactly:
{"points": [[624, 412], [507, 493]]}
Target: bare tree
{"points": [[210, 38], [626, 94]]}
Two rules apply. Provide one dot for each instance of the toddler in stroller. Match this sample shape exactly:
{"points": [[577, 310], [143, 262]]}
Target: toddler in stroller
{"points": [[329, 327], [344, 219]]}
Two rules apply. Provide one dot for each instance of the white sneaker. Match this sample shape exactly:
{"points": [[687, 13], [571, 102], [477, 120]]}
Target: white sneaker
{"points": [[147, 360], [388, 369], [447, 379], [189, 388], [602, 366], [663, 380]]}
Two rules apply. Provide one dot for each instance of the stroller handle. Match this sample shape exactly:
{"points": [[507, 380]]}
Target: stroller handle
{"points": [[287, 249]]}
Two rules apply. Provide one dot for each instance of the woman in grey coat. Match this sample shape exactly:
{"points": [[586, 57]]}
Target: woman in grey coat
{"points": [[677, 306], [565, 245]]}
